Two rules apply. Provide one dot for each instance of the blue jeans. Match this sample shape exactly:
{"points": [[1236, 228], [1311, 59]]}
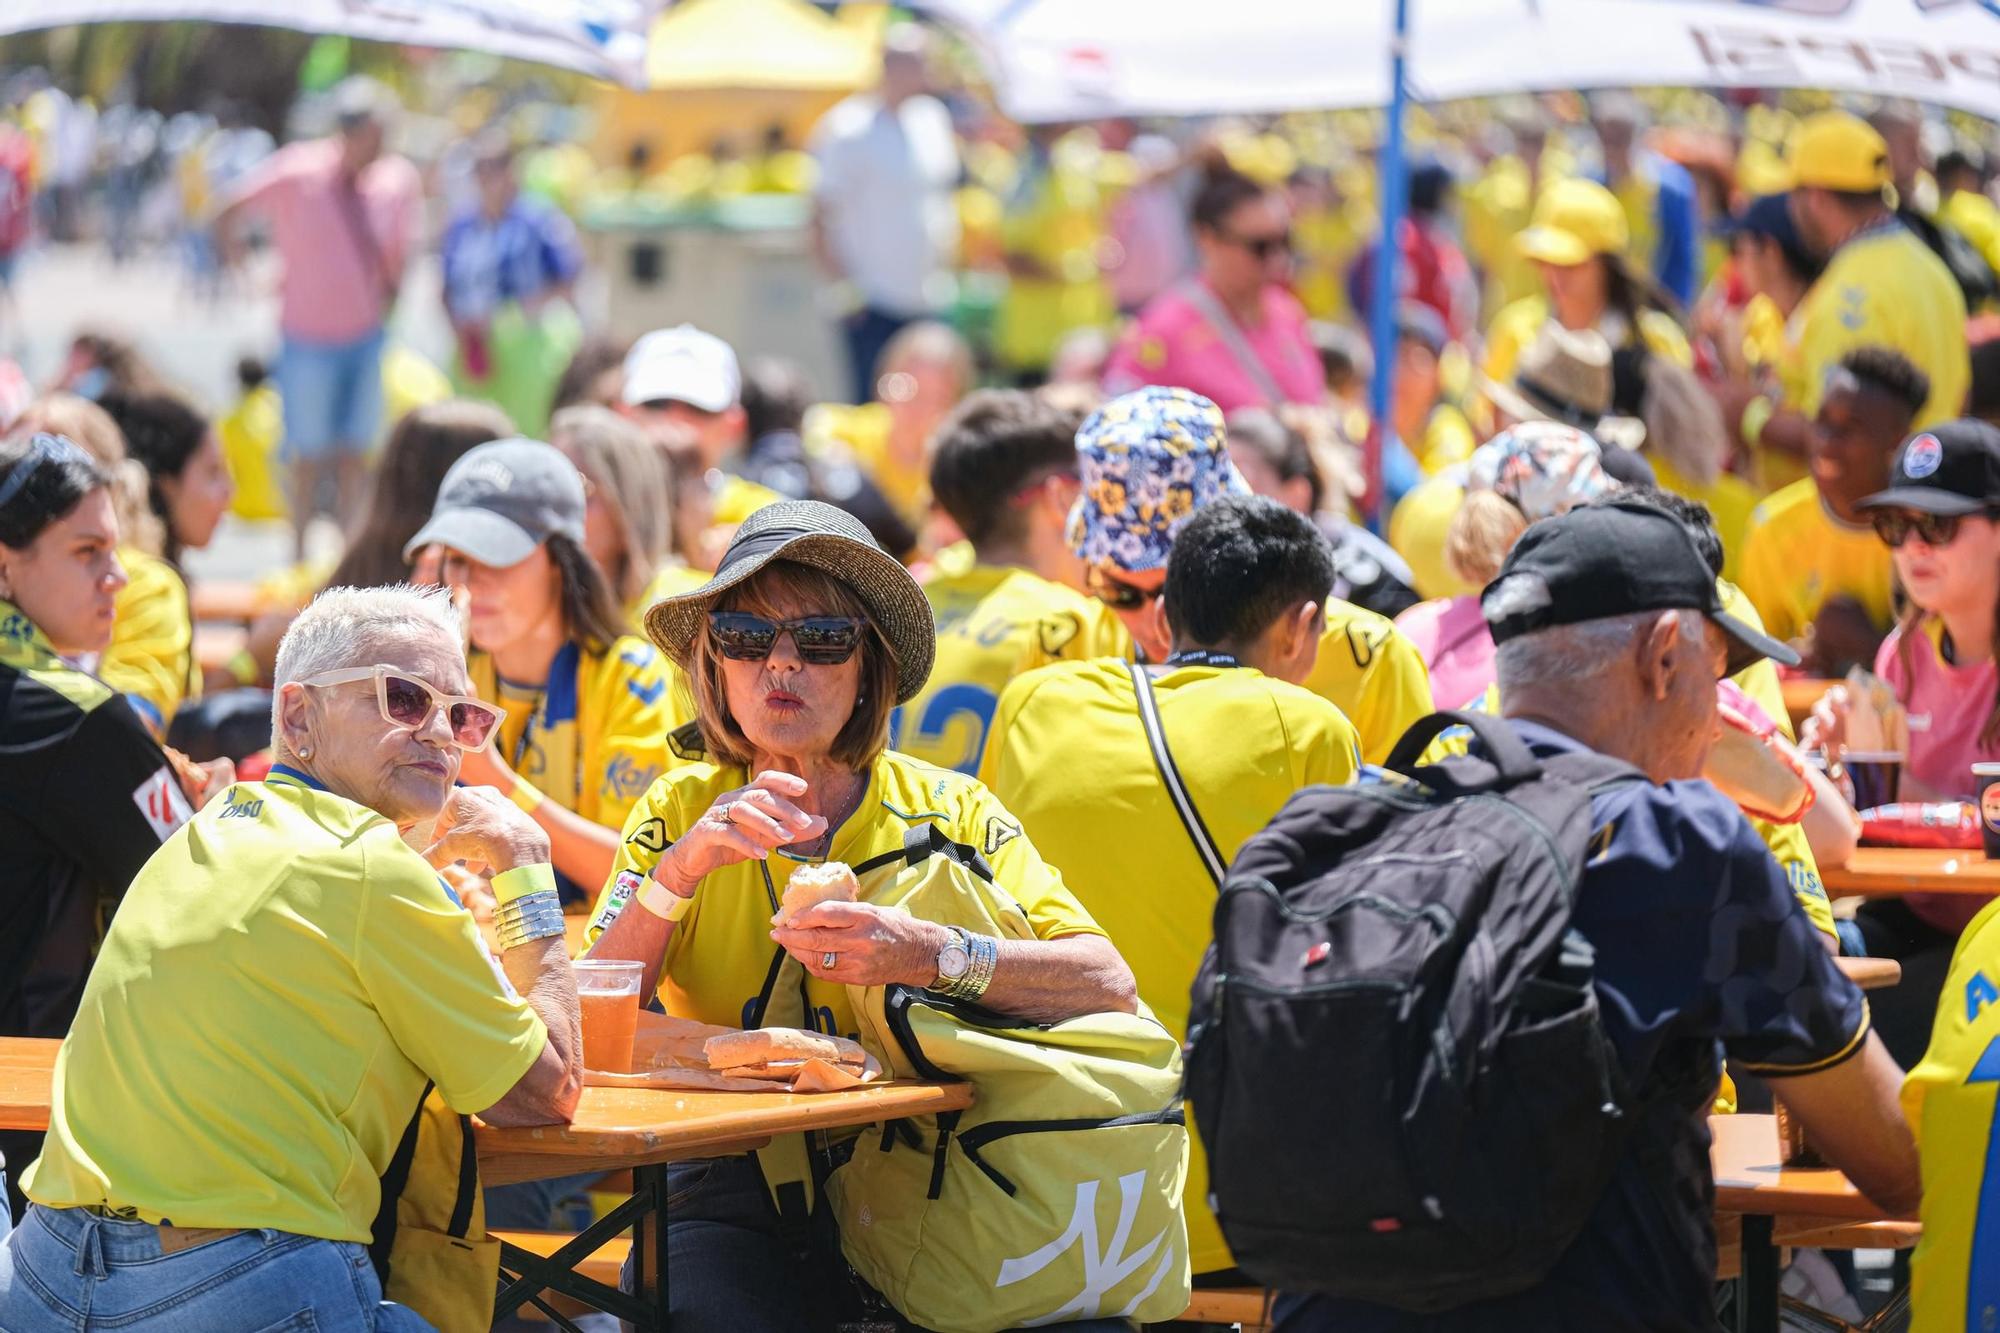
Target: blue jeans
{"points": [[67, 1269], [331, 394], [730, 1269]]}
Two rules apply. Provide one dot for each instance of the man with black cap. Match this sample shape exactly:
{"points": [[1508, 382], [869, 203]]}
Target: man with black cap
{"points": [[1611, 636]]}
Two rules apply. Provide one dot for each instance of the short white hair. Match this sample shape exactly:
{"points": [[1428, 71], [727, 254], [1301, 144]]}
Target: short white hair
{"points": [[1570, 654], [347, 627]]}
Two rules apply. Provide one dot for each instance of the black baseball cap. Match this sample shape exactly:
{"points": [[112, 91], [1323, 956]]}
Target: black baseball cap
{"points": [[1952, 469], [1614, 559]]}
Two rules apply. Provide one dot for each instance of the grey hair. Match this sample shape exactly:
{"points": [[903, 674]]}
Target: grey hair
{"points": [[1567, 654], [346, 627]]}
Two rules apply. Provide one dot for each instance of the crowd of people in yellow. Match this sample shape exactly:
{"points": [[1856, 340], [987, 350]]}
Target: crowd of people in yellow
{"points": [[698, 619]]}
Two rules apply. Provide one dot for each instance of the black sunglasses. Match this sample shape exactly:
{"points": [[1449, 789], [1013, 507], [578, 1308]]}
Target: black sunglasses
{"points": [[820, 640], [1120, 595], [1264, 247], [1895, 526]]}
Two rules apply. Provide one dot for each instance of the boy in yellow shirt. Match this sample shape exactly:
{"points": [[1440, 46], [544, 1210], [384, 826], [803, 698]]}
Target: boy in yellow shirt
{"points": [[1004, 468], [1246, 589], [1811, 563]]}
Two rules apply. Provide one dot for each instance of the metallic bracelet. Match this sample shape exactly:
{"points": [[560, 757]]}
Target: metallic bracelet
{"points": [[985, 951], [535, 916]]}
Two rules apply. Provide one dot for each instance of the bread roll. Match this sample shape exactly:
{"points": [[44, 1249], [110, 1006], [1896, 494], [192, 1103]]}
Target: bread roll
{"points": [[809, 886], [762, 1046]]}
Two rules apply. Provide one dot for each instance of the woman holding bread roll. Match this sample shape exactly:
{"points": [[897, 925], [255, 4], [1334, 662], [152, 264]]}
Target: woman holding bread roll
{"points": [[797, 650]]}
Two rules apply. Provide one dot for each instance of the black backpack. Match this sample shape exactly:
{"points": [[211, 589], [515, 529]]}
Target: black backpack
{"points": [[1395, 1056]]}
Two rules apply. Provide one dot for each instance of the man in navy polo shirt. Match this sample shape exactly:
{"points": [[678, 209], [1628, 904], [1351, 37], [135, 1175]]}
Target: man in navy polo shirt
{"points": [[1611, 638]]}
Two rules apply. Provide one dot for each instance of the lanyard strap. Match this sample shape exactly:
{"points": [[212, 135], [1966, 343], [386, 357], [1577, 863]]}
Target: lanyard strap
{"points": [[568, 661], [1202, 657]]}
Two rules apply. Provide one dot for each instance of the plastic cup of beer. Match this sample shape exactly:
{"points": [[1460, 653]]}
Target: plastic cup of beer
{"points": [[608, 992], [1986, 781]]}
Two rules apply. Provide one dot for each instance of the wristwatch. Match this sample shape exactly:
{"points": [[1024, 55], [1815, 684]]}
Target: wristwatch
{"points": [[954, 960]]}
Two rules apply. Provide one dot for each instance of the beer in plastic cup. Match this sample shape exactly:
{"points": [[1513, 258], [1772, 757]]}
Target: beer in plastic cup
{"points": [[1876, 775], [608, 993], [1986, 782]]}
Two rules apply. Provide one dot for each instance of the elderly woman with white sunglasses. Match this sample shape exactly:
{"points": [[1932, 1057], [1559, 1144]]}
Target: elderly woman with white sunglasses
{"points": [[284, 981]]}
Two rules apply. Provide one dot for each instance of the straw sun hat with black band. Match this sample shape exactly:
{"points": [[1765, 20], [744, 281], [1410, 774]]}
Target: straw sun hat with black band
{"points": [[807, 532]]}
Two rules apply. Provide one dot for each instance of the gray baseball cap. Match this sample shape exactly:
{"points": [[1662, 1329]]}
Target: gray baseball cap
{"points": [[502, 500]]}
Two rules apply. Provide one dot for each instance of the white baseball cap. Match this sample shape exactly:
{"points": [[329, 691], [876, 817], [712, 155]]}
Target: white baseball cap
{"points": [[685, 365]]}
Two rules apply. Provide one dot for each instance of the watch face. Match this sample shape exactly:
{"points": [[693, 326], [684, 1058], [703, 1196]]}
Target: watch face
{"points": [[953, 961]]}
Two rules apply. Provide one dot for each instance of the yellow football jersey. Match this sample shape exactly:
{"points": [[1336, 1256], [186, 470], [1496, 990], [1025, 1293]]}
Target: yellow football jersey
{"points": [[151, 657], [1068, 756], [718, 956], [1950, 1099], [1373, 674], [1797, 556], [1887, 288], [993, 624]]}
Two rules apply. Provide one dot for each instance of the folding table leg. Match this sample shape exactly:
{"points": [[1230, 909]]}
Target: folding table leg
{"points": [[1757, 1290], [649, 1242]]}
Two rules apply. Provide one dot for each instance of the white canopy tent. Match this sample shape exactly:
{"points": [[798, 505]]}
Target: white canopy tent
{"points": [[603, 38], [1078, 59]]}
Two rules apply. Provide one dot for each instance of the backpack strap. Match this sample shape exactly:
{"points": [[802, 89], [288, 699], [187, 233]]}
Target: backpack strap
{"points": [[1239, 349], [1163, 758], [1511, 757]]}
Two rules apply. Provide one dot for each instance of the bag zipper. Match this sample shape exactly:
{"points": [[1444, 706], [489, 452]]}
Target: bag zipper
{"points": [[979, 1136]]}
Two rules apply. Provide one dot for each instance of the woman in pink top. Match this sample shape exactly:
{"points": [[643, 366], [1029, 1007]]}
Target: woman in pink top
{"points": [[1232, 333], [1536, 470], [1938, 518]]}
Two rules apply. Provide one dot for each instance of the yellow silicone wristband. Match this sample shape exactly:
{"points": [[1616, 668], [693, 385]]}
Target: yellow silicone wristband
{"points": [[522, 881], [526, 795]]}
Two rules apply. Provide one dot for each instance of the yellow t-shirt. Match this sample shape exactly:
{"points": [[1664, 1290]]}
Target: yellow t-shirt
{"points": [[250, 433], [993, 624], [718, 956], [595, 737], [1976, 218], [671, 581], [1769, 348], [1516, 326], [736, 499], [1418, 526], [1886, 287], [1069, 757], [280, 982], [1797, 556], [1373, 674], [1950, 1099], [1447, 439], [151, 657], [1056, 219], [862, 433]]}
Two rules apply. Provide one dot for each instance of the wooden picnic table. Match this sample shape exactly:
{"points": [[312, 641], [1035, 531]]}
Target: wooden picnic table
{"points": [[615, 1129], [1778, 1204], [1887, 872]]}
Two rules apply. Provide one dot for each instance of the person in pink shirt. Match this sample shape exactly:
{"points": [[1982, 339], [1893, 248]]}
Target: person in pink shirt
{"points": [[1535, 470], [1233, 333], [344, 217], [1940, 519]]}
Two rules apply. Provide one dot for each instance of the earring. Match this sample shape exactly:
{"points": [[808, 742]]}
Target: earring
{"points": [[305, 751]]}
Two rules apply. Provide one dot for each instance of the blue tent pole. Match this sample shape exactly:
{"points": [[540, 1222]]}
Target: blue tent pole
{"points": [[1382, 303]]}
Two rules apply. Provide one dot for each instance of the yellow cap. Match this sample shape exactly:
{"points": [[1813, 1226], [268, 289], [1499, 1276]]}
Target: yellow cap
{"points": [[1836, 151], [1573, 221]]}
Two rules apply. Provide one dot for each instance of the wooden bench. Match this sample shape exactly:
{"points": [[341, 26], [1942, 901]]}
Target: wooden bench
{"points": [[1247, 1306]]}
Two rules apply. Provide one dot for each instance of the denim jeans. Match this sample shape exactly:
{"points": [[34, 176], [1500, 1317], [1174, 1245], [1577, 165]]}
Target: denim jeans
{"points": [[67, 1269], [729, 1268]]}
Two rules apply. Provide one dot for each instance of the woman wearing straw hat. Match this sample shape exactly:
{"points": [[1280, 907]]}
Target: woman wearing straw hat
{"points": [[1577, 239], [797, 650]]}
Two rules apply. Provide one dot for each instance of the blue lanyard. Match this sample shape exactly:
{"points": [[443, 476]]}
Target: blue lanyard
{"points": [[568, 659], [1202, 657]]}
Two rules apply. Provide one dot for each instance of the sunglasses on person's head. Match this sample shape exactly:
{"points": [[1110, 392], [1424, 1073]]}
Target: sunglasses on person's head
{"points": [[1263, 247], [1895, 526], [820, 640], [406, 701], [1120, 595]]}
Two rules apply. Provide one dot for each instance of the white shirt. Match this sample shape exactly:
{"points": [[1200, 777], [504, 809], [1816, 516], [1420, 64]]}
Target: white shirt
{"points": [[885, 191]]}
